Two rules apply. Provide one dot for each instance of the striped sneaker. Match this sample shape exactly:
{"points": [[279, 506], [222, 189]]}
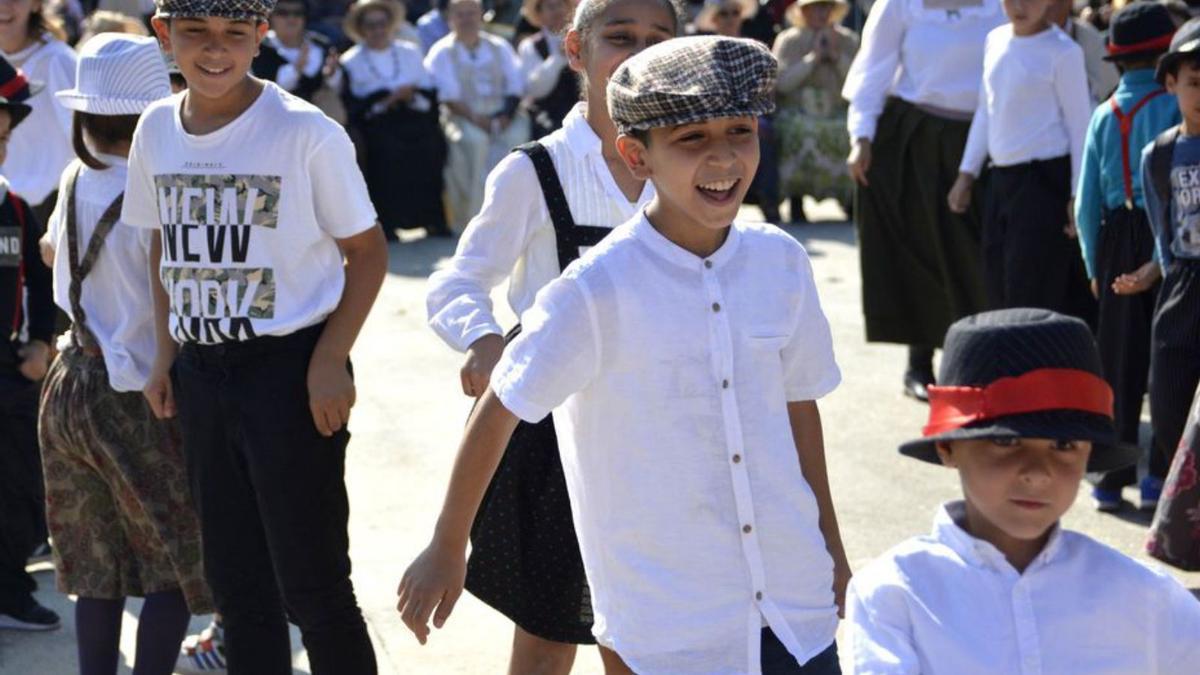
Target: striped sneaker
{"points": [[203, 654]]}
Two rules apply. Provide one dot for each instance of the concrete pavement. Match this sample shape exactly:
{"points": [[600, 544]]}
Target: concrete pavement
{"points": [[407, 424]]}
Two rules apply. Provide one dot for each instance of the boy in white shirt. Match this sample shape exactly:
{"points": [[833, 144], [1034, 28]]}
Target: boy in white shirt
{"points": [[1021, 411], [270, 259], [1031, 121], [683, 356]]}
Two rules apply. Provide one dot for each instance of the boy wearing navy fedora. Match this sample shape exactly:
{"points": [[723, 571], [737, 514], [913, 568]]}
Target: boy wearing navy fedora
{"points": [[26, 328], [685, 405], [1021, 412], [1171, 182], [1114, 234]]}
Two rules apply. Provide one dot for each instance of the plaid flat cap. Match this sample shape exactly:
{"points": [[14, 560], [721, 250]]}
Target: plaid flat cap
{"points": [[225, 9], [691, 79]]}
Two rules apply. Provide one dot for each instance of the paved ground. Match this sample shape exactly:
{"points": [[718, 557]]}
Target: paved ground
{"points": [[407, 424]]}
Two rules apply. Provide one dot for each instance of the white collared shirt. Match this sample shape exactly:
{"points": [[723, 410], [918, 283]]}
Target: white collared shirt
{"points": [[541, 75], [441, 59], [1034, 103], [40, 147], [116, 294], [927, 52], [513, 237], [669, 376], [950, 604]]}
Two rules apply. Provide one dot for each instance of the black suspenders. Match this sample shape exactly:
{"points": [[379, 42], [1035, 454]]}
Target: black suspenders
{"points": [[569, 236]]}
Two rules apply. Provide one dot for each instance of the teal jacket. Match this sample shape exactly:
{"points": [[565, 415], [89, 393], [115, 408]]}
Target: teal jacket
{"points": [[1101, 183]]}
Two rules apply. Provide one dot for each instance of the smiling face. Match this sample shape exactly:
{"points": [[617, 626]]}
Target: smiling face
{"points": [[14, 22], [701, 171], [1016, 489], [623, 29], [376, 28], [213, 53]]}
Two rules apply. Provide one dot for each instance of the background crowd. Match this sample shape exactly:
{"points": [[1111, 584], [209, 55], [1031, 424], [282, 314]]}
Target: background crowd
{"points": [[871, 112]]}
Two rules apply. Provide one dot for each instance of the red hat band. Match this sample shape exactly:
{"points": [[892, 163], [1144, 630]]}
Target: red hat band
{"points": [[1039, 390], [14, 86], [1158, 44]]}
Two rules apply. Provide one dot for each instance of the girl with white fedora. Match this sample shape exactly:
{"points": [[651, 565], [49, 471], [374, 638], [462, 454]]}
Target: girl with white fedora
{"points": [[118, 506]]}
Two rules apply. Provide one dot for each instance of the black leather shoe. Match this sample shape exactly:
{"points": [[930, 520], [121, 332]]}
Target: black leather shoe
{"points": [[916, 385]]}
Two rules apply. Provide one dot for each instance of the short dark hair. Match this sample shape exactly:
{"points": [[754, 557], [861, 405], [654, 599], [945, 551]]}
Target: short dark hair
{"points": [[1192, 59], [1143, 63], [105, 129], [642, 135]]}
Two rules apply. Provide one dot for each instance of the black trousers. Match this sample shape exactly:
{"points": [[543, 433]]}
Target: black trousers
{"points": [[1028, 260], [1174, 360], [273, 507], [22, 492], [1123, 325]]}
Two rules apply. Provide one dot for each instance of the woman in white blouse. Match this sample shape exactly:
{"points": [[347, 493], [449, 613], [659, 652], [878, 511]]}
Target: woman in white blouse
{"points": [[552, 88], [912, 90], [392, 107]]}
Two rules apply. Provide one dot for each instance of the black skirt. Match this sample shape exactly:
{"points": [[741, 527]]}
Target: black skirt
{"points": [[525, 560]]}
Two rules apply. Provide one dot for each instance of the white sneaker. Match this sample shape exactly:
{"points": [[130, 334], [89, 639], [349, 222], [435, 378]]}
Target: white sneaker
{"points": [[203, 654]]}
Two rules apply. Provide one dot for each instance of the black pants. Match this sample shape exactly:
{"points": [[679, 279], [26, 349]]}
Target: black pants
{"points": [[1028, 260], [776, 660], [1123, 325], [1174, 360], [22, 492], [273, 508]]}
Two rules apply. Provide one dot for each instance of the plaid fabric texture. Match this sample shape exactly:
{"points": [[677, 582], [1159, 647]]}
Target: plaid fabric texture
{"points": [[692, 79], [226, 9]]}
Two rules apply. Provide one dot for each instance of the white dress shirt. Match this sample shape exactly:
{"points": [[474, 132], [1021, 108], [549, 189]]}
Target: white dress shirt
{"points": [[541, 75], [669, 376], [927, 52], [441, 61], [288, 77], [40, 148], [951, 604], [1034, 103], [400, 65], [116, 294], [513, 238]]}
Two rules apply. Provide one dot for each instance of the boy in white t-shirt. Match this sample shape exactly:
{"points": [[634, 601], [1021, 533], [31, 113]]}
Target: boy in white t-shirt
{"points": [[1021, 412], [683, 357], [270, 262]]}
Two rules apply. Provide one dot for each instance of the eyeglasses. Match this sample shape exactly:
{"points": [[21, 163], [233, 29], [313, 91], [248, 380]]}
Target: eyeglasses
{"points": [[368, 24]]}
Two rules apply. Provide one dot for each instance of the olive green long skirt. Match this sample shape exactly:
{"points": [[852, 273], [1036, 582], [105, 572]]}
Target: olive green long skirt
{"points": [[921, 264]]}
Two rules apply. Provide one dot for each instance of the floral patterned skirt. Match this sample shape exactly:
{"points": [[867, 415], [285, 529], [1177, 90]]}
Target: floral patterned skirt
{"points": [[812, 156], [117, 497], [1175, 532]]}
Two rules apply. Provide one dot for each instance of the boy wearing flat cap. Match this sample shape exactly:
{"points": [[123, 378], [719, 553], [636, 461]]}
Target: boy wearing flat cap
{"points": [[270, 261], [1021, 411], [683, 357]]}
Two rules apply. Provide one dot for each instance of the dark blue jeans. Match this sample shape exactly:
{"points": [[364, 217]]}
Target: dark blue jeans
{"points": [[777, 660]]}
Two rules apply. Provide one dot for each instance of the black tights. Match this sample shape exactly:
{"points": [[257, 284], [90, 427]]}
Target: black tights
{"points": [[920, 359], [161, 627]]}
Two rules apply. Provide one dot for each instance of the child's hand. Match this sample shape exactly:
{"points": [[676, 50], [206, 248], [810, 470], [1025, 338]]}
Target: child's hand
{"points": [[959, 198], [841, 579], [433, 581], [1070, 230], [482, 357], [35, 360], [1095, 288], [330, 393], [46, 249], [1138, 281], [859, 161], [158, 390]]}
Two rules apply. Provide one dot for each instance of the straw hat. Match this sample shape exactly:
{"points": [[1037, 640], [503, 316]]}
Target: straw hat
{"points": [[706, 19], [354, 15], [117, 74], [796, 17]]}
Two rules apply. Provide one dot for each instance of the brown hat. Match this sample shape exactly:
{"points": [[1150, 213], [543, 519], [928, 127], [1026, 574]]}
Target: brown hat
{"points": [[354, 15], [796, 17]]}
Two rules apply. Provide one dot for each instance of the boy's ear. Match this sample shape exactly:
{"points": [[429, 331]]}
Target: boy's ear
{"points": [[1170, 83], [946, 454], [633, 151], [162, 29], [573, 48]]}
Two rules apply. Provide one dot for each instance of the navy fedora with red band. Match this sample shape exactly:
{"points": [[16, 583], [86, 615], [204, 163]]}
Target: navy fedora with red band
{"points": [[1142, 30], [1028, 373], [15, 89]]}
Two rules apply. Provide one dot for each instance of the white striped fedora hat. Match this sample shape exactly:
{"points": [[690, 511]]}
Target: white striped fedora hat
{"points": [[118, 74]]}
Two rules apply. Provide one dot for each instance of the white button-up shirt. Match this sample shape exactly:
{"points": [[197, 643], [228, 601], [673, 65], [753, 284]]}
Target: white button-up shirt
{"points": [[513, 238], [673, 374], [951, 604]]}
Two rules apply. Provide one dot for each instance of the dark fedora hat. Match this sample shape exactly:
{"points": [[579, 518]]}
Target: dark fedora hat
{"points": [[1185, 44], [1140, 31], [15, 89], [1022, 373]]}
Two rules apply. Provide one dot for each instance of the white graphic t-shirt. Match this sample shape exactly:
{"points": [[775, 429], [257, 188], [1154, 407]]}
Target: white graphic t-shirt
{"points": [[249, 215]]}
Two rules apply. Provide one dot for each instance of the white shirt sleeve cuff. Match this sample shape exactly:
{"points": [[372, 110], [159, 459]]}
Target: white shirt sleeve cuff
{"points": [[463, 342], [517, 404], [818, 390]]}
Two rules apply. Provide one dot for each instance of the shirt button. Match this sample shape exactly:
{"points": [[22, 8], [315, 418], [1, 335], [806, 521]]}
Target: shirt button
{"points": [[746, 529], [758, 595], [724, 384], [716, 306], [737, 459], [708, 264]]}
